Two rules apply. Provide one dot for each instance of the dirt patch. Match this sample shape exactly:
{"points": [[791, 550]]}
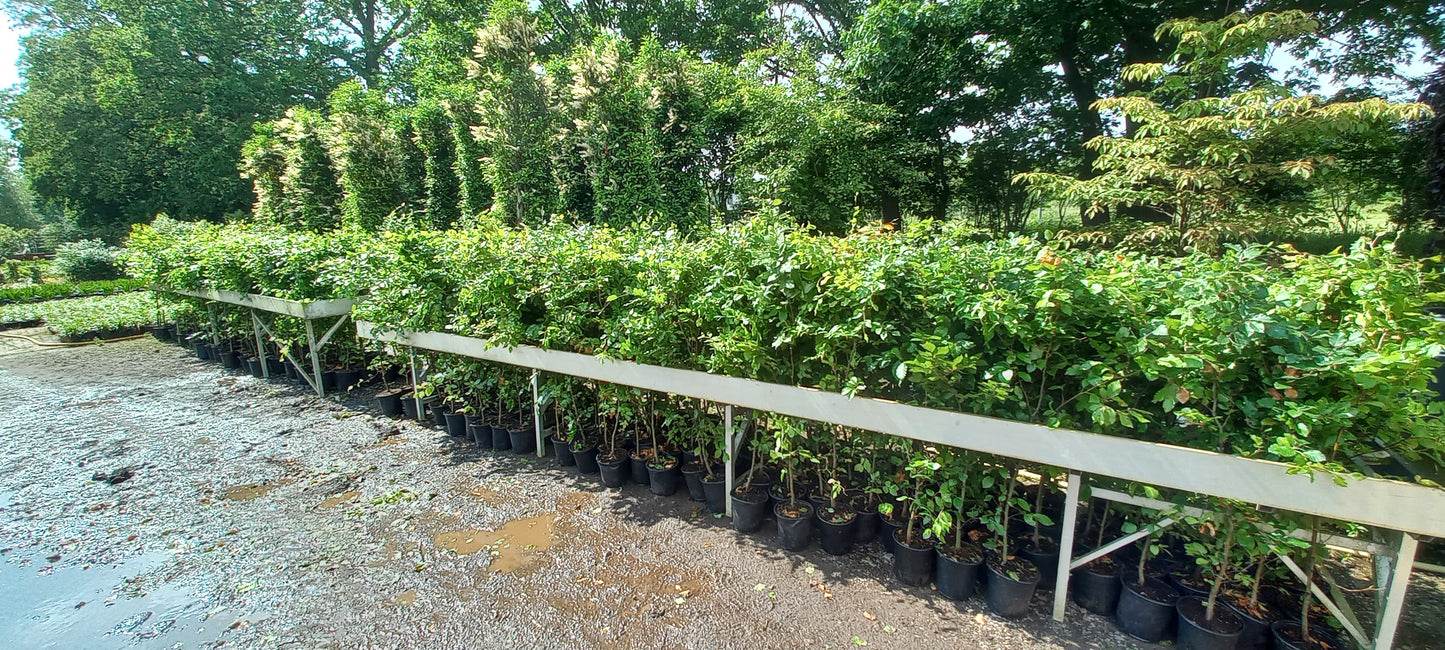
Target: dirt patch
{"points": [[250, 490], [344, 497]]}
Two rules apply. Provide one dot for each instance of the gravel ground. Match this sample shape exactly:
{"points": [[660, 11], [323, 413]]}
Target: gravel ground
{"points": [[260, 516]]}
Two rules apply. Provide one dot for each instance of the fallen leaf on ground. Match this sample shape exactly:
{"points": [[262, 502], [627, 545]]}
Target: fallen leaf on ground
{"points": [[869, 616]]}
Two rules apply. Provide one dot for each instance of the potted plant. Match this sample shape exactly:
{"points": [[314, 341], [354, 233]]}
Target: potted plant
{"points": [[1095, 586], [913, 553], [1203, 624], [835, 516], [794, 515], [1146, 604], [1010, 579], [959, 557]]}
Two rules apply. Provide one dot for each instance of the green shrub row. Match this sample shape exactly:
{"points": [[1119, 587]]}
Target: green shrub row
{"points": [[1260, 352], [38, 292]]}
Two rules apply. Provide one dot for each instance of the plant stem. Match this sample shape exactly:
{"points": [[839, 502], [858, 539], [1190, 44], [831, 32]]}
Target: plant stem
{"points": [[1221, 572]]}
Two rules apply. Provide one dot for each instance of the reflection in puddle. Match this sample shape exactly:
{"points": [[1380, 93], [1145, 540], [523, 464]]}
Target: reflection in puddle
{"points": [[516, 545], [97, 607]]}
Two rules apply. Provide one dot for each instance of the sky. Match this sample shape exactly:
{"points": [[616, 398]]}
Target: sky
{"points": [[9, 54]]}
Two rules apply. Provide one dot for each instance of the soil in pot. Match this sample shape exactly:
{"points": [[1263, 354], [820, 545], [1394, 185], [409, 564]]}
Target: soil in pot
{"points": [[586, 458], [614, 468], [1011, 585], [390, 402], [1188, 586], [1095, 587], [779, 492], [795, 524], [456, 424], [1257, 618], [913, 559], [1287, 636], [1198, 633], [836, 522], [750, 506], [639, 458], [957, 571], [563, 450], [1045, 558], [523, 439], [692, 473], [866, 528], [663, 475], [716, 491], [1145, 611]]}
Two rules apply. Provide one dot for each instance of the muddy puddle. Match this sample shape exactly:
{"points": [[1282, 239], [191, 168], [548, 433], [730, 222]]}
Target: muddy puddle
{"points": [[344, 497], [105, 606], [250, 490], [517, 545]]}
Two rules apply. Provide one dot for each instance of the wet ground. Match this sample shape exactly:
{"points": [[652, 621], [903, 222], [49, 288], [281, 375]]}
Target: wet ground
{"points": [[255, 515]]}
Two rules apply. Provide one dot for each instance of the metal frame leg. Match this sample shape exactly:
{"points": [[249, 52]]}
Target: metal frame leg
{"points": [[537, 414], [417, 398], [1066, 544], [729, 461], [315, 358], [1395, 595], [260, 345]]}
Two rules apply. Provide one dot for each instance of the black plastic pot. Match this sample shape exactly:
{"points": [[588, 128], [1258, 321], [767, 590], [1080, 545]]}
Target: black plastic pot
{"points": [[524, 440], [717, 494], [256, 367], [564, 452], [203, 351], [794, 532], [663, 480], [586, 459], [836, 538], [1286, 632], [639, 469], [1194, 634], [345, 379], [614, 472], [408, 406], [456, 424], [1256, 634], [866, 527], [480, 434], [1095, 591], [890, 543], [389, 402], [1143, 617], [501, 438], [1007, 596], [230, 360], [692, 474], [291, 372], [328, 382], [912, 565], [749, 510], [276, 366], [1046, 560], [956, 579]]}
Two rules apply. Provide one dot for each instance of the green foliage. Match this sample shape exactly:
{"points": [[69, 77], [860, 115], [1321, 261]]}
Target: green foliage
{"points": [[375, 171], [86, 260], [84, 317], [1200, 159], [443, 186], [311, 194], [40, 292]]}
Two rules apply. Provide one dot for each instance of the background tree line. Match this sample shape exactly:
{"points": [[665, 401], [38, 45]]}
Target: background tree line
{"points": [[435, 112]]}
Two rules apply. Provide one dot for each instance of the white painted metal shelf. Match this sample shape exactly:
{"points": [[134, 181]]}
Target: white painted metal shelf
{"points": [[1394, 505], [308, 311]]}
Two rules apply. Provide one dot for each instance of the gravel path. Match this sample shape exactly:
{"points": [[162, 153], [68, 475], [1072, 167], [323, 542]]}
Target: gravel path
{"points": [[258, 516]]}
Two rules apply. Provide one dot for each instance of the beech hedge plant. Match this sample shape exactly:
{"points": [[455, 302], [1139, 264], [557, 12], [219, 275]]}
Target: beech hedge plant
{"points": [[1258, 351]]}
